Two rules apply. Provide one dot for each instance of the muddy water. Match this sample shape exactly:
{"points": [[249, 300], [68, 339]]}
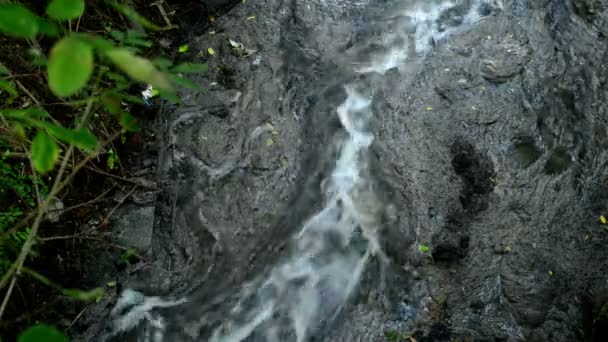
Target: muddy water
{"points": [[385, 168]]}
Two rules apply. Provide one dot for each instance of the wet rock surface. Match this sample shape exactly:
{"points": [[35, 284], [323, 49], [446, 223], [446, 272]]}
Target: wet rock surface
{"points": [[491, 149]]}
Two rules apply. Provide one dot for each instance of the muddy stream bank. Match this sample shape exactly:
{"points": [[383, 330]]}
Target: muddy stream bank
{"points": [[367, 170]]}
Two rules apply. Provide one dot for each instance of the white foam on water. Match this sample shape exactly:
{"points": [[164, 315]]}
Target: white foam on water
{"points": [[324, 267], [419, 28]]}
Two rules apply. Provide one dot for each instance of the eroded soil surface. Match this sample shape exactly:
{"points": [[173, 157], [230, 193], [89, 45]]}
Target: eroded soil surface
{"points": [[490, 149]]}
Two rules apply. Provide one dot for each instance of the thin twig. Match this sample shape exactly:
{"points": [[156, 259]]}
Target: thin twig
{"points": [[105, 220], [80, 205], [8, 292], [78, 23], [38, 198], [65, 182], [132, 181], [65, 237], [122, 169], [77, 316], [22, 87], [29, 242], [33, 98]]}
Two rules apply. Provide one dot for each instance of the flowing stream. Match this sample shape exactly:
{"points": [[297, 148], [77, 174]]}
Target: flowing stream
{"points": [[332, 248]]}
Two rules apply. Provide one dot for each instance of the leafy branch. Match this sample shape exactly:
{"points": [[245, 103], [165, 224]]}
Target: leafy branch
{"points": [[92, 74]]}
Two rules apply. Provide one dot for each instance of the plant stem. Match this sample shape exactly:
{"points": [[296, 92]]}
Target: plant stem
{"points": [[29, 242]]}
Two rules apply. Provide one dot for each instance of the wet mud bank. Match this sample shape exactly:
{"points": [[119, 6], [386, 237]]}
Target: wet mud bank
{"points": [[484, 183]]}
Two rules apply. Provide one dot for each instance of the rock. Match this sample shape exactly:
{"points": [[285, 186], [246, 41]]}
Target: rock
{"points": [[132, 226], [55, 210]]}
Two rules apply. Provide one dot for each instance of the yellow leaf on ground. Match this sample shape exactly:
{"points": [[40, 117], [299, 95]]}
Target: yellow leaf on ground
{"points": [[211, 51]]}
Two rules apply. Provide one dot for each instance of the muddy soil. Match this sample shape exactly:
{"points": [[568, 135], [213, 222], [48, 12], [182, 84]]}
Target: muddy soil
{"points": [[491, 147]]}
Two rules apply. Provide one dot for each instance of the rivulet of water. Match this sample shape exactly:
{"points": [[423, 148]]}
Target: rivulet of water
{"points": [[329, 254], [332, 248]]}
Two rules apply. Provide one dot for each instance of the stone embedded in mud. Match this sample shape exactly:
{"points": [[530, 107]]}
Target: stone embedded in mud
{"points": [[505, 59], [132, 226]]}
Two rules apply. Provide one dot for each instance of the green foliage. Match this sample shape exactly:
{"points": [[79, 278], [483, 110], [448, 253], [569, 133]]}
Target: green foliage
{"points": [[135, 40], [423, 248], [80, 137], [44, 152], [111, 159], [18, 21], [95, 72], [138, 68], [70, 66], [17, 196], [188, 68], [86, 296], [65, 9], [133, 15], [40, 333], [6, 86], [396, 336]]}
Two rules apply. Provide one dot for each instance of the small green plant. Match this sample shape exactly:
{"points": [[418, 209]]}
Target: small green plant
{"points": [[15, 183], [396, 336], [424, 248]]}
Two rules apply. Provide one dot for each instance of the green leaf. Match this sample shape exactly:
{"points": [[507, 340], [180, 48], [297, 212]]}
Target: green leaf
{"points": [[118, 36], [183, 48], [423, 248], [81, 138], [24, 114], [4, 70], [44, 152], [18, 21], [184, 82], [162, 63], [101, 44], [6, 86], [111, 159], [128, 122], [190, 68], [116, 77], [48, 28], [42, 332], [65, 9], [70, 66], [37, 57], [18, 130], [94, 294], [138, 68], [111, 102], [133, 15], [169, 96], [136, 38], [132, 99]]}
